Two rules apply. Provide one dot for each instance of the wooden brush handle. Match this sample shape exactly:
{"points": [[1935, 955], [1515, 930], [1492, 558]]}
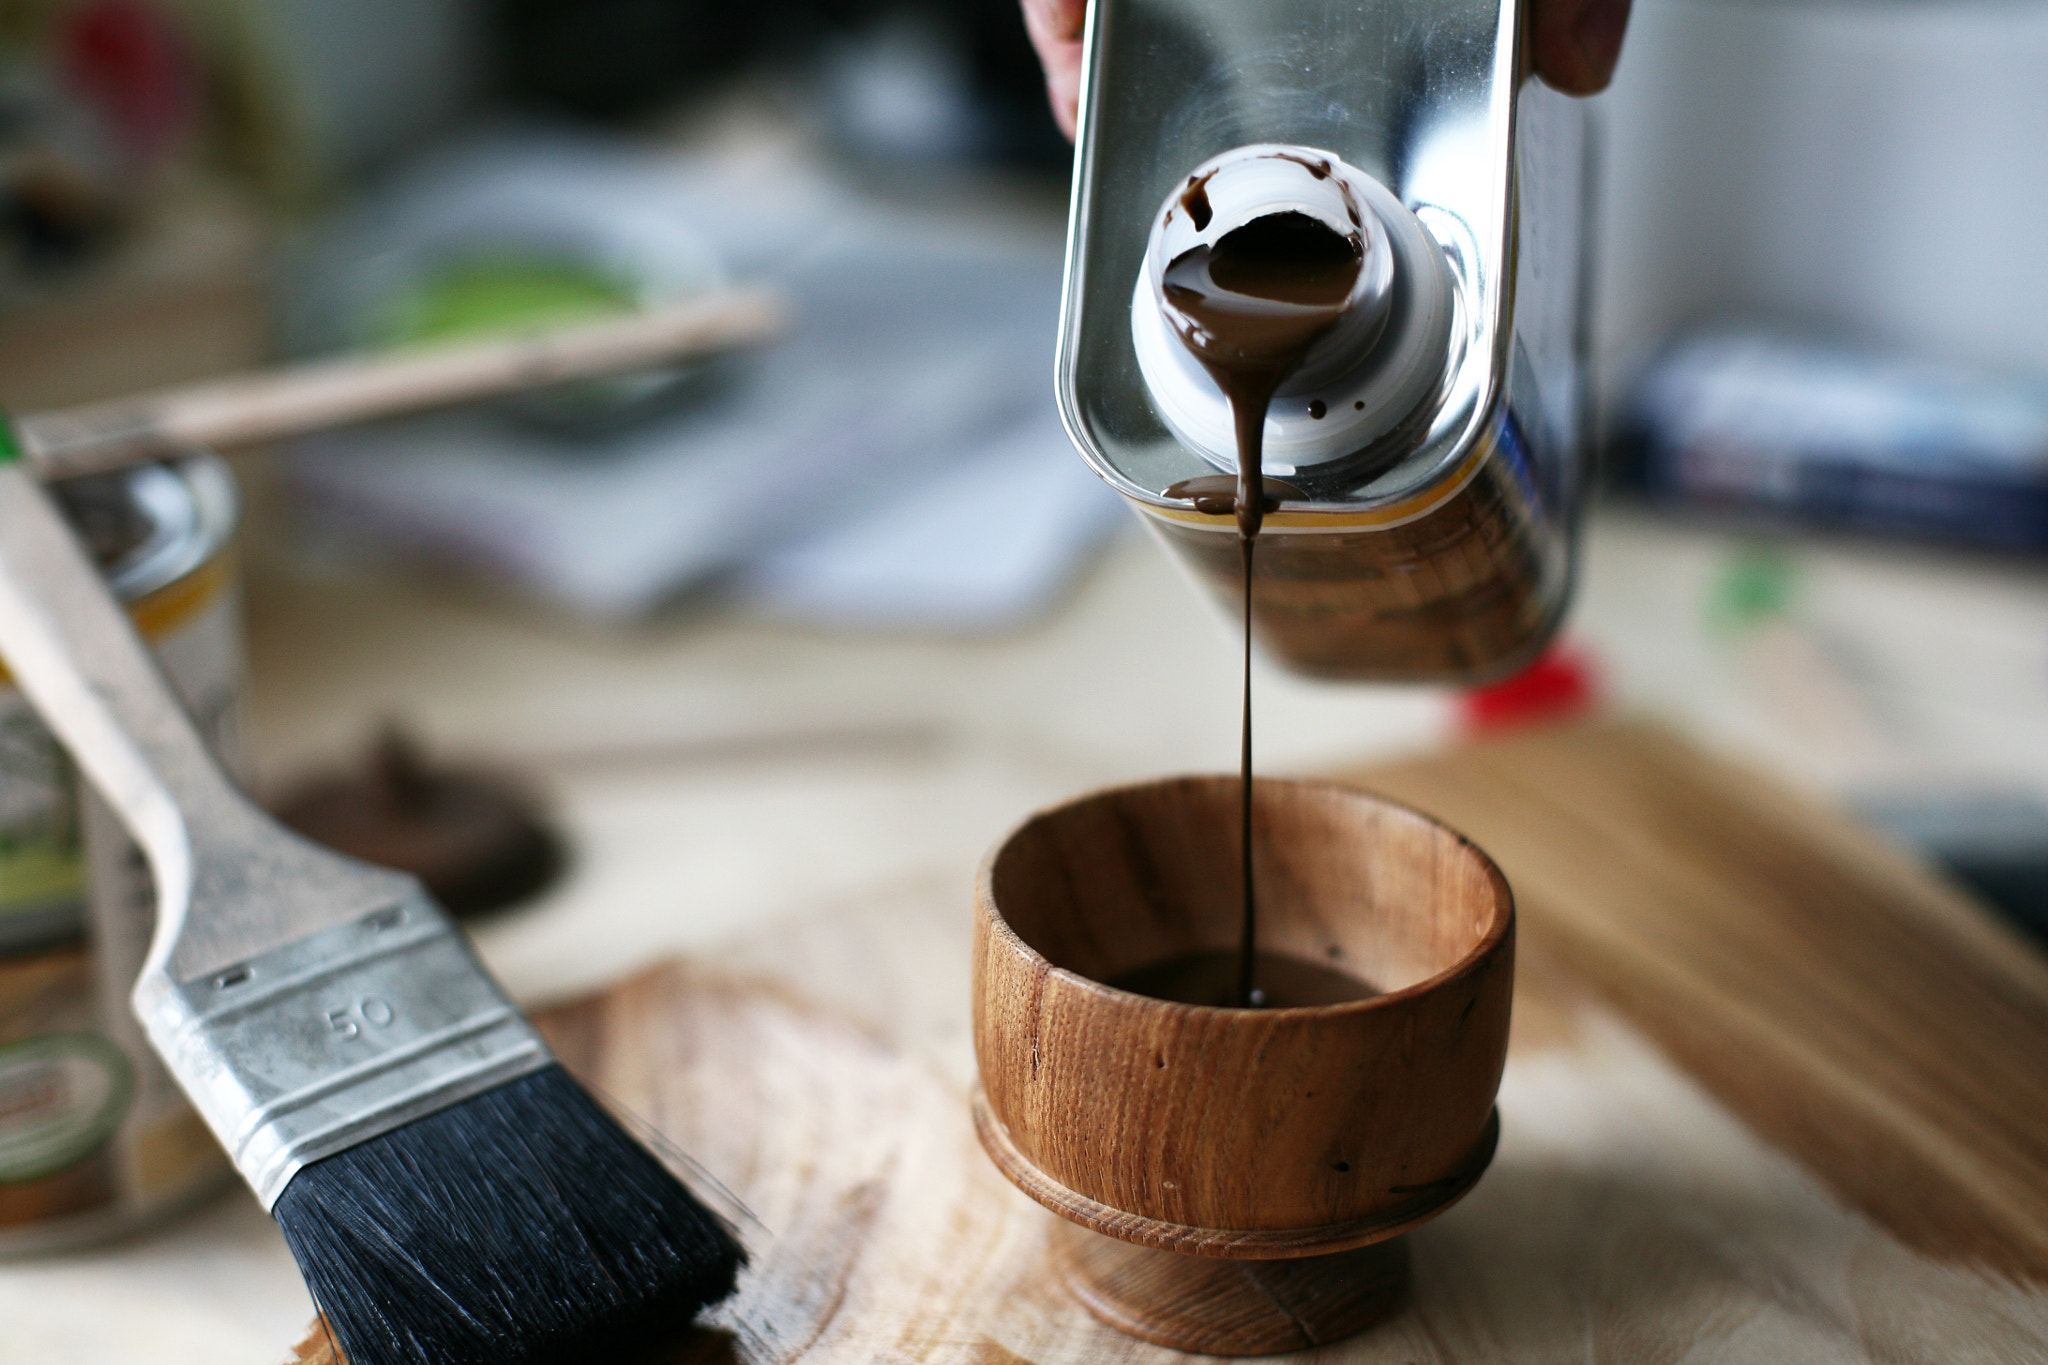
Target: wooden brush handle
{"points": [[93, 681], [266, 406]]}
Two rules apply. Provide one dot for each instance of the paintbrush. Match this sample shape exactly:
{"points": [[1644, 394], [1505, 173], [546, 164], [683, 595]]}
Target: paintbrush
{"points": [[267, 405], [450, 1194]]}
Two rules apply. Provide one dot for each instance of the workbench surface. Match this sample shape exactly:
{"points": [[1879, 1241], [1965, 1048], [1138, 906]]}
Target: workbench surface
{"points": [[718, 776]]}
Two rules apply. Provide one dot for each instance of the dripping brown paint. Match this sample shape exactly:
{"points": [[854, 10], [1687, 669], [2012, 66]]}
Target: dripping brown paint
{"points": [[1249, 308]]}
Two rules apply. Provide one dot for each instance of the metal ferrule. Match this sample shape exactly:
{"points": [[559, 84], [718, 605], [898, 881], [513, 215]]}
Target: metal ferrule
{"points": [[308, 1049]]}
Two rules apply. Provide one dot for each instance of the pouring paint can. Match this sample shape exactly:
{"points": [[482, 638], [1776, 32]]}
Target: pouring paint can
{"points": [[1424, 459], [95, 1138]]}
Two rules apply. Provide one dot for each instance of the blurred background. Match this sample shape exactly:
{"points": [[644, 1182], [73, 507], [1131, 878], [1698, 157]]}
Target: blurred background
{"points": [[853, 596], [1820, 322]]}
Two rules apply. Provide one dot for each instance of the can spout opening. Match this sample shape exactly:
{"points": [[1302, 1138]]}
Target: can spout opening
{"points": [[1273, 227]]}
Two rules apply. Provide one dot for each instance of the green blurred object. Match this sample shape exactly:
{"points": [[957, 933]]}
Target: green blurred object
{"points": [[504, 292], [1757, 586], [35, 874]]}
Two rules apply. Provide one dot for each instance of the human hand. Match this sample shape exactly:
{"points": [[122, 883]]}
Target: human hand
{"points": [[1574, 44], [1055, 29]]}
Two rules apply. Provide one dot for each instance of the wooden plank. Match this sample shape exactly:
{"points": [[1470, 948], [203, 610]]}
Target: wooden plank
{"points": [[1848, 1006], [1819, 991]]}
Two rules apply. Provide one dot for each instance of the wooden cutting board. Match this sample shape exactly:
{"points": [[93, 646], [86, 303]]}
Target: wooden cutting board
{"points": [[1776, 1094]]}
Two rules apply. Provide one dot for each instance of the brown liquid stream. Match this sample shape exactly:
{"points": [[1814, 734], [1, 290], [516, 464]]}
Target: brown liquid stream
{"points": [[1211, 977], [1249, 308]]}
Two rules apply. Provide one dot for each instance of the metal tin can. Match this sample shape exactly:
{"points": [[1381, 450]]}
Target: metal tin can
{"points": [[95, 1138], [1432, 483]]}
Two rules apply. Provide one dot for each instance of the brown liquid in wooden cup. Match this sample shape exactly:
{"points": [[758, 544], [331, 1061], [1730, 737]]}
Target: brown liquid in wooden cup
{"points": [[1292, 1143]]}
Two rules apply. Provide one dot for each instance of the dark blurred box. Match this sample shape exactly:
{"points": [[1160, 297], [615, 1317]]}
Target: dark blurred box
{"points": [[1828, 436]]}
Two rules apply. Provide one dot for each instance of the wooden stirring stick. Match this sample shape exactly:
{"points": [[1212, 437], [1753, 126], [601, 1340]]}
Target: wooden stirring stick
{"points": [[270, 404]]}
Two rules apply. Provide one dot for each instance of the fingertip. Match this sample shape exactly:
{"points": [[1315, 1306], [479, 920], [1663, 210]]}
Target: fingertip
{"points": [[1064, 93], [1576, 46], [1599, 33], [1055, 28]]}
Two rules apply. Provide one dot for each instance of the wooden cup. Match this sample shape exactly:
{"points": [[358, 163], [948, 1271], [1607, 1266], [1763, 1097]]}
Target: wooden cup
{"points": [[1232, 1179]]}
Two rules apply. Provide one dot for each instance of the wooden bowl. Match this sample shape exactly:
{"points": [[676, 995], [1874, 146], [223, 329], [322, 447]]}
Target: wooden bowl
{"points": [[1294, 1142]]}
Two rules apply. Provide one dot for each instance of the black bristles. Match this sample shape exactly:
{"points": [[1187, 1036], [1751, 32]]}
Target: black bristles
{"points": [[520, 1227]]}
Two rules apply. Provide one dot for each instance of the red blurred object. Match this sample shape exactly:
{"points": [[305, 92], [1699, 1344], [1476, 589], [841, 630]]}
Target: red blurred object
{"points": [[1561, 684], [131, 61]]}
